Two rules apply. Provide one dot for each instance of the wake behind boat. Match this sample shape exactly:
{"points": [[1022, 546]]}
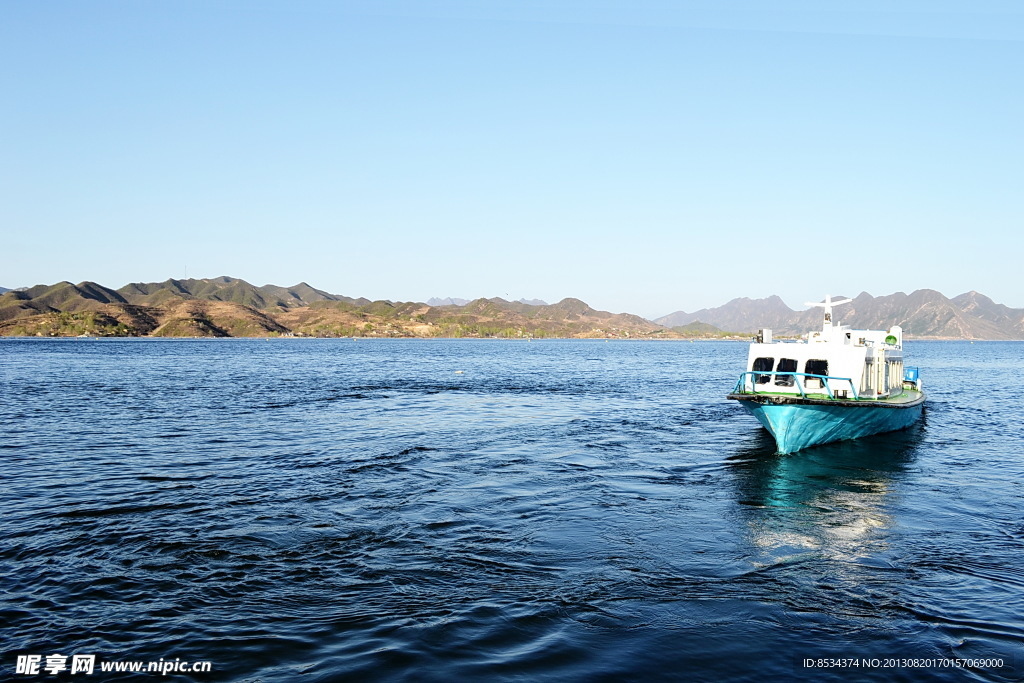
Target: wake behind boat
{"points": [[835, 384]]}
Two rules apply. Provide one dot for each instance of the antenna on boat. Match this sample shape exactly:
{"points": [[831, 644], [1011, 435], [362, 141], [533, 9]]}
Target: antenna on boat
{"points": [[826, 323]]}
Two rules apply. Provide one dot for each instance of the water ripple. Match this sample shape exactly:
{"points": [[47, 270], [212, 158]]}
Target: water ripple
{"points": [[437, 510]]}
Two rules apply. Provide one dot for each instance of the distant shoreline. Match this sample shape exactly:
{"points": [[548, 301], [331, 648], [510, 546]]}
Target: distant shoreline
{"points": [[732, 340]]}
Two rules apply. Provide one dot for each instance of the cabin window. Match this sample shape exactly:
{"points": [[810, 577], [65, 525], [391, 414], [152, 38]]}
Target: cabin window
{"points": [[785, 365], [763, 364], [816, 367]]}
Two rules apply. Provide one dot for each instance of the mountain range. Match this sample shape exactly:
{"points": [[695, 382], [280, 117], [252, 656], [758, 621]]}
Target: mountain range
{"points": [[924, 313], [226, 307], [455, 301]]}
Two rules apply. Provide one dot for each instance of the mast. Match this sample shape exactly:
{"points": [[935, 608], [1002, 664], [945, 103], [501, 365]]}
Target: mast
{"points": [[826, 323]]}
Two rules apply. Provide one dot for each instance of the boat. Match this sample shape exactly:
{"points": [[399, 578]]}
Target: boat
{"points": [[831, 385]]}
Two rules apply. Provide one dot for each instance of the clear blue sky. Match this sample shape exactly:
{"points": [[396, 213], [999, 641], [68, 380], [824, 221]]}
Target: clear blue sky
{"points": [[642, 155]]}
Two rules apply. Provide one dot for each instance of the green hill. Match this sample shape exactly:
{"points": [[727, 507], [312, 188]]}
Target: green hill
{"points": [[699, 329]]}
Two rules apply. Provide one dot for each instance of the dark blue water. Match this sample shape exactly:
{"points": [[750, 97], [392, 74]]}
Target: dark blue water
{"points": [[406, 510]]}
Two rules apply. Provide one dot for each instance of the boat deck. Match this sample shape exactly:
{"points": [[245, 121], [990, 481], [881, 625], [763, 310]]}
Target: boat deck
{"points": [[908, 398]]}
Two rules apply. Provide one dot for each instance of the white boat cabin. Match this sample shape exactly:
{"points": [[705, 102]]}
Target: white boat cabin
{"points": [[837, 361]]}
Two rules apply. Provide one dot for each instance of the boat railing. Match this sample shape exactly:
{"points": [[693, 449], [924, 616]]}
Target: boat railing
{"points": [[745, 386]]}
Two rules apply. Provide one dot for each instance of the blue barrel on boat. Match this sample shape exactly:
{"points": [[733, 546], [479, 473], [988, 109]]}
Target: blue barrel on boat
{"points": [[909, 374]]}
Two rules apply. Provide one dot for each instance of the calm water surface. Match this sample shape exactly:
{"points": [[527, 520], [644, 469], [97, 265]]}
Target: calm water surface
{"points": [[411, 510]]}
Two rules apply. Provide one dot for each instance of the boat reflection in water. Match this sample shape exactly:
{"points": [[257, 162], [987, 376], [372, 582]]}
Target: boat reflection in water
{"points": [[831, 503]]}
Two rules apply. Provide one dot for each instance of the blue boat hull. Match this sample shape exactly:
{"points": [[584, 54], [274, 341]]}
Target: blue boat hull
{"points": [[800, 424]]}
